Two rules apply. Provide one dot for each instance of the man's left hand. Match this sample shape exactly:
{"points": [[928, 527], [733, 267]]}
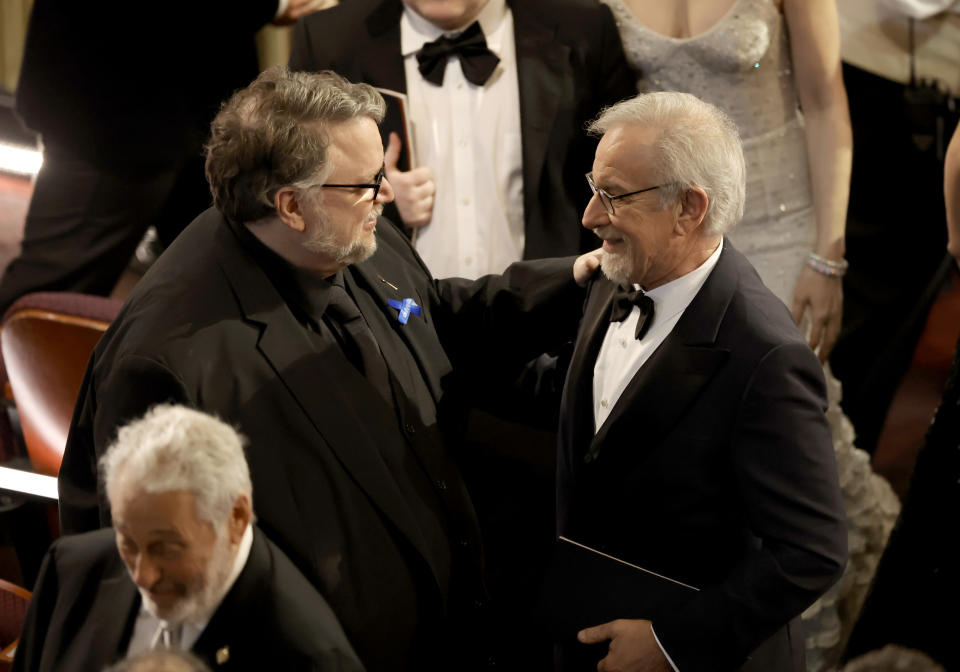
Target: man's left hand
{"points": [[585, 266], [633, 647], [300, 8]]}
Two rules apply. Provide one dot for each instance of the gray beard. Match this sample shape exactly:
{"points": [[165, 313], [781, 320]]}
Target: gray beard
{"points": [[359, 250], [202, 601], [618, 267]]}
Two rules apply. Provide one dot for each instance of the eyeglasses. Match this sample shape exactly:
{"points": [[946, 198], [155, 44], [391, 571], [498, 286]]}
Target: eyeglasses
{"points": [[377, 181], [606, 199]]}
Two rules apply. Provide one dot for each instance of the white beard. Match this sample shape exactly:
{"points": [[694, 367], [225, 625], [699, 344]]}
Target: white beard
{"points": [[201, 600], [618, 267]]}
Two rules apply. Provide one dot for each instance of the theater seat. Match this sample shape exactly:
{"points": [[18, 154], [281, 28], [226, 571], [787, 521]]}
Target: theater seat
{"points": [[46, 341], [13, 611]]}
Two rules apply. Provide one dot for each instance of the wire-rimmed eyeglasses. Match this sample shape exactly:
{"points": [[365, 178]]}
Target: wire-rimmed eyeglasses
{"points": [[607, 199]]}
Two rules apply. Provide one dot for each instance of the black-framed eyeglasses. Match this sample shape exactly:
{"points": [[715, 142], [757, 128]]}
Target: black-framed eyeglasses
{"points": [[377, 181], [607, 199]]}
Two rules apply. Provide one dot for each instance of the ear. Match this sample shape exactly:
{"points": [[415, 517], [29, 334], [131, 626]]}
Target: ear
{"points": [[287, 203], [693, 208], [240, 517]]}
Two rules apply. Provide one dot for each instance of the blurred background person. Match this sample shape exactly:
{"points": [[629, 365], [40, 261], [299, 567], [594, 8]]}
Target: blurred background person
{"points": [[499, 95], [160, 661], [918, 580], [901, 67], [123, 110]]}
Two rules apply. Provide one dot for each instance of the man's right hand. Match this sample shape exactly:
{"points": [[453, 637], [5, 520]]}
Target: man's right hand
{"points": [[413, 189]]}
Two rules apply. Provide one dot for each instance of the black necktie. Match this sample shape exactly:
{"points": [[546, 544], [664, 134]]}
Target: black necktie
{"points": [[623, 302], [476, 61], [345, 311]]}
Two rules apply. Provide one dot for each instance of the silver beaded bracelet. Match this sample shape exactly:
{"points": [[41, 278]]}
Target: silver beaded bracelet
{"points": [[828, 267]]}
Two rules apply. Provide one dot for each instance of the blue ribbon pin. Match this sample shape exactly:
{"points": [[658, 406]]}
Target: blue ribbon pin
{"points": [[405, 307]]}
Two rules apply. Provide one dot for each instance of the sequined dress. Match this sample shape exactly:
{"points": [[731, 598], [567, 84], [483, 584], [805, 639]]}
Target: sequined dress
{"points": [[742, 65]]}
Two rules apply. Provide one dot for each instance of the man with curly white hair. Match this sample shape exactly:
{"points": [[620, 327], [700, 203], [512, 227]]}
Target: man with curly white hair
{"points": [[183, 568]]}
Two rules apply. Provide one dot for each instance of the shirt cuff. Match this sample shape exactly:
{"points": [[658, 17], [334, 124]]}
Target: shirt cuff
{"points": [[666, 655], [281, 8]]}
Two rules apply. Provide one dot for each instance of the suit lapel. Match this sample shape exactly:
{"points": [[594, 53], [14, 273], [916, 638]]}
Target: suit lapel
{"points": [[543, 74], [228, 640], [333, 395], [378, 291], [668, 383], [577, 424], [113, 614]]}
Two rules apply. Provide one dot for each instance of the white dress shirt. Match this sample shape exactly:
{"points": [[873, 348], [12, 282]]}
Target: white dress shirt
{"points": [[469, 136], [622, 355], [146, 631]]}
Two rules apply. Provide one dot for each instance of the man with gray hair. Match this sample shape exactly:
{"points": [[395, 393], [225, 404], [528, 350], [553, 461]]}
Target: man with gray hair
{"points": [[183, 569], [292, 310], [693, 441]]}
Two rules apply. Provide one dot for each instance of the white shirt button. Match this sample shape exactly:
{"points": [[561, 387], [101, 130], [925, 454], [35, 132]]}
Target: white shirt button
{"points": [[603, 402], [465, 202], [468, 261], [623, 342]]}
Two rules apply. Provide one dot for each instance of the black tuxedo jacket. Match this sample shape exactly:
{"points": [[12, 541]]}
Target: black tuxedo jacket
{"points": [[85, 605], [121, 93], [206, 327], [715, 467], [570, 65]]}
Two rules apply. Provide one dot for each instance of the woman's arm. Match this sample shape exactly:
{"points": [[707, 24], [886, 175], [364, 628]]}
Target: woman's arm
{"points": [[815, 47], [951, 194]]}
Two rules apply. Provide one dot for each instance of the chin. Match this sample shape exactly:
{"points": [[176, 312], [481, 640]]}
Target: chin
{"points": [[361, 250], [178, 611], [617, 267]]}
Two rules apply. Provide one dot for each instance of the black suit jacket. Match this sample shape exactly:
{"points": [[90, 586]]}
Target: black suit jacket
{"points": [[117, 91], [85, 604], [570, 65], [715, 467], [206, 327]]}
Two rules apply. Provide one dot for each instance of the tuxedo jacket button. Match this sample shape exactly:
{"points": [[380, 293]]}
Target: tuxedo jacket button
{"points": [[588, 458]]}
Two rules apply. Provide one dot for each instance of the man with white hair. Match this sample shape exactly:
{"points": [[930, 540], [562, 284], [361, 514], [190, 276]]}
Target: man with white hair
{"points": [[693, 438], [183, 569]]}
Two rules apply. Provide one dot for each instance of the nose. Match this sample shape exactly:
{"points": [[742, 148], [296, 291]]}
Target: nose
{"points": [[385, 195], [595, 216], [145, 572]]}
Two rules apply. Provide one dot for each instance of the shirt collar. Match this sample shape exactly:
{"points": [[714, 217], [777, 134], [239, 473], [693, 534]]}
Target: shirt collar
{"points": [[415, 31], [305, 293], [674, 296]]}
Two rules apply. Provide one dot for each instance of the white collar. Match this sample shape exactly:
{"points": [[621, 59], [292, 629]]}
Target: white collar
{"points": [[415, 31], [674, 297]]}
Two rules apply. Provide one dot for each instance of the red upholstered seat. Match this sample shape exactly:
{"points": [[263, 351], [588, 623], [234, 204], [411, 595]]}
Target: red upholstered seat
{"points": [[46, 341], [13, 610]]}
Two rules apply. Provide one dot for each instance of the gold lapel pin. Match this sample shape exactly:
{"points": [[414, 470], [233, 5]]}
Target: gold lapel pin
{"points": [[223, 655], [388, 284]]}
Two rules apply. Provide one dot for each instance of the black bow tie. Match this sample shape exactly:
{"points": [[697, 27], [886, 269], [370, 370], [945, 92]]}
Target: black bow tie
{"points": [[476, 61], [623, 302]]}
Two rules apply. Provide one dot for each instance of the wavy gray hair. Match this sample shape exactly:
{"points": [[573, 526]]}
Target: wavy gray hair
{"points": [[272, 134], [698, 145], [178, 448]]}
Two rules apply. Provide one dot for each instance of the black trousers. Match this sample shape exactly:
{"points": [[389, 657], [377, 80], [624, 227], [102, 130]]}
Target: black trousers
{"points": [[85, 221]]}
